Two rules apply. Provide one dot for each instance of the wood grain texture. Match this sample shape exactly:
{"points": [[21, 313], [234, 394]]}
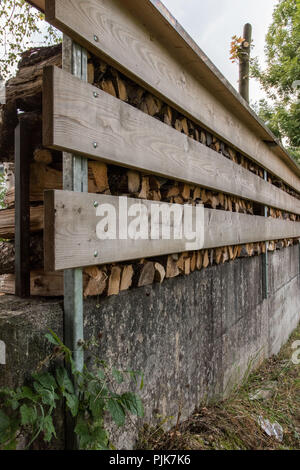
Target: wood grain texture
{"points": [[118, 133], [7, 221], [143, 47], [71, 240]]}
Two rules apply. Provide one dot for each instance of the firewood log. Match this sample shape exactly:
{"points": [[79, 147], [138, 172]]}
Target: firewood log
{"points": [[114, 281], [127, 277], [160, 273], [43, 156], [100, 174], [205, 259]]}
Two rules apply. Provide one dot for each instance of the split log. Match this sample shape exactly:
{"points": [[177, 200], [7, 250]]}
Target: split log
{"points": [[199, 260], [134, 181], [114, 281], [145, 274], [160, 273], [171, 267], [144, 193], [108, 86], [127, 278], [97, 282], [99, 171], [205, 259]]}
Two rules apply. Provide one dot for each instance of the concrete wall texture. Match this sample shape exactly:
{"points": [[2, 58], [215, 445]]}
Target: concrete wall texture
{"points": [[193, 336]]}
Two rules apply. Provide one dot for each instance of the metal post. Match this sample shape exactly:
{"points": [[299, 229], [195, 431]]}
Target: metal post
{"points": [[245, 63], [75, 178], [266, 256], [22, 210]]}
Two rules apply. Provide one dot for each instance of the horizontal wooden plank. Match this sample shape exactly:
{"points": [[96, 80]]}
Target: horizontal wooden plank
{"points": [[116, 132], [7, 221], [136, 38], [41, 284], [71, 231]]}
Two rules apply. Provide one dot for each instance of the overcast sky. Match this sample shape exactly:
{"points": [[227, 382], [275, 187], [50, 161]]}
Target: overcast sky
{"points": [[212, 23]]}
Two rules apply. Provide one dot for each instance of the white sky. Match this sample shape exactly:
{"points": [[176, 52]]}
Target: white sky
{"points": [[212, 23]]}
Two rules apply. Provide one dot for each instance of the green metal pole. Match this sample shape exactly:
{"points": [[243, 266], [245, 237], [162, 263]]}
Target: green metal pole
{"points": [[266, 256], [75, 178]]}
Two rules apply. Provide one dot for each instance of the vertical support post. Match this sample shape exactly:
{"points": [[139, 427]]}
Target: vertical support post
{"points": [[266, 256], [245, 63], [75, 178], [22, 210]]}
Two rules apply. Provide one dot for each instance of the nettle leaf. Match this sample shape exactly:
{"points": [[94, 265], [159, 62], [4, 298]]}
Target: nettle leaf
{"points": [[28, 415], [133, 404], [48, 396], [4, 427], [46, 380], [29, 394], [48, 428], [72, 403], [96, 405], [118, 376], [64, 380], [117, 411], [101, 438], [82, 430], [51, 339]]}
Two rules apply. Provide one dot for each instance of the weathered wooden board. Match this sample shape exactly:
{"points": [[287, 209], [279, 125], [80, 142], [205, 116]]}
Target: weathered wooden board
{"points": [[136, 38], [71, 239], [110, 129]]}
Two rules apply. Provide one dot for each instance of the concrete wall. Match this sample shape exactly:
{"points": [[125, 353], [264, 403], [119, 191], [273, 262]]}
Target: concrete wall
{"points": [[193, 337]]}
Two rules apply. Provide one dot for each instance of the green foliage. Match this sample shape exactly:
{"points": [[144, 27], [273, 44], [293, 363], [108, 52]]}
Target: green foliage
{"points": [[87, 395], [281, 77], [21, 27]]}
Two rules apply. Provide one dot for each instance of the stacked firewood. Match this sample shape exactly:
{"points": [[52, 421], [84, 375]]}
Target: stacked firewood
{"points": [[25, 94]]}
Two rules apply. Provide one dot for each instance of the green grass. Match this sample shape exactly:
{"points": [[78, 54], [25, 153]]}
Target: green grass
{"points": [[233, 423]]}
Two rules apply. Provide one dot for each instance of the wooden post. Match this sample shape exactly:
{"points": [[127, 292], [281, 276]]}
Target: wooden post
{"points": [[245, 63], [22, 210], [75, 178]]}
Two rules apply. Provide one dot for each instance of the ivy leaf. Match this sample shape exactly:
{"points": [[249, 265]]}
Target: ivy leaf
{"points": [[28, 415], [117, 411], [133, 403]]}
